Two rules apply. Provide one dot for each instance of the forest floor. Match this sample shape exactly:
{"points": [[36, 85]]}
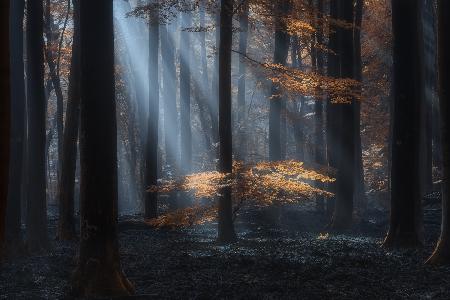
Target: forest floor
{"points": [[280, 254]]}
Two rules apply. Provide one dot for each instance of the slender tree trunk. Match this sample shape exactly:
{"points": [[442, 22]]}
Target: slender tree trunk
{"points": [[318, 107], [66, 224], [215, 85], [185, 95], [226, 228], [280, 56], [151, 203], [332, 109], [241, 122], [441, 254], [52, 41], [99, 272], [5, 90], [37, 237], [13, 213], [406, 193], [360, 198]]}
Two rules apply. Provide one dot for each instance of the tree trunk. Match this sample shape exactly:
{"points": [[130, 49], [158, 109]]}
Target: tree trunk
{"points": [[441, 254], [185, 95], [99, 272], [5, 90], [406, 193], [66, 224], [13, 212], [243, 42], [37, 237], [332, 109], [318, 108], [280, 56], [226, 228], [360, 198], [343, 211], [151, 203]]}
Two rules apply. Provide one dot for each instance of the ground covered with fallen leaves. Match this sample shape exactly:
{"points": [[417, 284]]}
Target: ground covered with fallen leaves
{"points": [[281, 254]]}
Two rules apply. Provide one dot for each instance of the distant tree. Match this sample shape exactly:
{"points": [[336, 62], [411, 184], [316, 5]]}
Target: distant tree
{"points": [[37, 236], [332, 109], [14, 211], [318, 107], [226, 232], [243, 43], [151, 167], [5, 99], [406, 181], [185, 94], [98, 273], [441, 254], [280, 55], [66, 190]]}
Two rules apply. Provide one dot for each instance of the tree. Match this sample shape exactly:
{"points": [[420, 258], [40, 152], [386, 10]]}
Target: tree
{"points": [[318, 107], [5, 90], [359, 193], [13, 214], [441, 254], [343, 210], [98, 273], [243, 42], [226, 232], [151, 204], [185, 94], [37, 237], [66, 190], [280, 56], [406, 184]]}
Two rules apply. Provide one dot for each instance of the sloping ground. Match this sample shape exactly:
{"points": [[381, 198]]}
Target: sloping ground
{"points": [[280, 255]]}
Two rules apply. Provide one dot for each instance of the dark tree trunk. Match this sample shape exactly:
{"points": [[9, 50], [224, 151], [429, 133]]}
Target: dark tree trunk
{"points": [[215, 85], [185, 95], [243, 42], [360, 195], [226, 228], [13, 214], [5, 90], [318, 107], [406, 192], [66, 224], [332, 109], [441, 254], [343, 211], [280, 56], [99, 272], [151, 174], [37, 237]]}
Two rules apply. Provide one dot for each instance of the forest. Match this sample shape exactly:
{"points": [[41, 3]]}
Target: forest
{"points": [[225, 149]]}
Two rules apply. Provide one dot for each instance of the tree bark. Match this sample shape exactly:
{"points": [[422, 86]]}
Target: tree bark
{"points": [[151, 198], [405, 228], [37, 237], [66, 222], [343, 211], [185, 95], [441, 254], [13, 211], [5, 90], [360, 198], [243, 42], [226, 232], [280, 56], [98, 273]]}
